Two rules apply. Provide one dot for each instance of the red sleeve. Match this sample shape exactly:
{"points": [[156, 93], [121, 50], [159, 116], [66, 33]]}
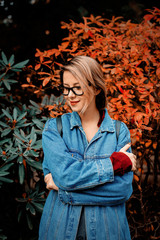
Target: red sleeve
{"points": [[121, 163]]}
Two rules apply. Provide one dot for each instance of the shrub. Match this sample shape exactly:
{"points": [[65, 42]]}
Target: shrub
{"points": [[22, 195], [129, 56]]}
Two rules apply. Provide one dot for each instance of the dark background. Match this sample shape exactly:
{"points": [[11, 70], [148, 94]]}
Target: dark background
{"points": [[29, 24]]}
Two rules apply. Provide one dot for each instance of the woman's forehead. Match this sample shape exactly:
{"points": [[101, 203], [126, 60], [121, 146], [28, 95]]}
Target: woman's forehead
{"points": [[69, 78]]}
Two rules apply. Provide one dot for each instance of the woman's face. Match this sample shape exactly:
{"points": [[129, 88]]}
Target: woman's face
{"points": [[77, 103]]}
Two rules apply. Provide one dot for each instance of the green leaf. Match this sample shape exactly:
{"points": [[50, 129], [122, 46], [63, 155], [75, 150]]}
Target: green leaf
{"points": [[19, 215], [12, 81], [12, 157], [23, 134], [21, 116], [31, 208], [20, 159], [32, 134], [2, 173], [38, 144], [40, 197], [11, 60], [29, 221], [32, 153], [33, 194], [4, 58], [20, 65], [7, 85], [27, 206], [22, 121], [6, 131], [19, 140], [6, 167], [34, 139], [2, 64], [22, 138], [15, 114], [26, 153], [38, 206], [16, 69], [21, 173], [34, 164], [24, 125], [7, 180], [4, 141], [1, 91], [2, 236], [3, 124], [34, 104], [38, 123], [7, 114], [2, 75]]}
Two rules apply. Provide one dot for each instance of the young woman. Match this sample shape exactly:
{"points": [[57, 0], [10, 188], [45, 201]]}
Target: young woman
{"points": [[88, 170]]}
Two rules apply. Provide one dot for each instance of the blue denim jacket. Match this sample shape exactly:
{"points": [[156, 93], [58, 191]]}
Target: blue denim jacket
{"points": [[84, 175]]}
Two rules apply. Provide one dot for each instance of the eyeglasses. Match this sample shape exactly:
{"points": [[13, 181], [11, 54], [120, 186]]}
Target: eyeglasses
{"points": [[76, 90]]}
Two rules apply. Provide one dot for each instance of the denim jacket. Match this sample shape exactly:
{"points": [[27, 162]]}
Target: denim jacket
{"points": [[84, 175]]}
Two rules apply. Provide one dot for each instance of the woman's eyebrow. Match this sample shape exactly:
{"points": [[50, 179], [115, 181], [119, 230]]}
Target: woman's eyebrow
{"points": [[67, 85]]}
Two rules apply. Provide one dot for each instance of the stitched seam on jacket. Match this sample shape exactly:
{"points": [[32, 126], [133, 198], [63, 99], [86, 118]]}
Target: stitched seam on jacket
{"points": [[118, 224], [106, 228], [50, 215], [59, 223]]}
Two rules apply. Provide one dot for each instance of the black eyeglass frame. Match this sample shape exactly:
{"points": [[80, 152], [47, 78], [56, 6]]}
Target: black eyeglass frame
{"points": [[71, 89]]}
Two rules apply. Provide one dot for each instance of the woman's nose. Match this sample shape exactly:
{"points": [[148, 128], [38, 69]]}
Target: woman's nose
{"points": [[71, 94]]}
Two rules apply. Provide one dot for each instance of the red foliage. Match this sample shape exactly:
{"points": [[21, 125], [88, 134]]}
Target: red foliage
{"points": [[129, 55]]}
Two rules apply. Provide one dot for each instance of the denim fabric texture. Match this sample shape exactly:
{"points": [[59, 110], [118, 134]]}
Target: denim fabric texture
{"points": [[84, 175]]}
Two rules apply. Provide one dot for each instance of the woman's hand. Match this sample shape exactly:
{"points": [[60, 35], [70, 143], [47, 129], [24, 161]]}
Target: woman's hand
{"points": [[50, 185], [132, 157]]}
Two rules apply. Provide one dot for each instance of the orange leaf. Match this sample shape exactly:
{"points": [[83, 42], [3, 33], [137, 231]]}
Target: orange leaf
{"points": [[148, 17], [28, 85], [37, 66], [148, 143], [154, 145], [136, 178], [24, 163], [37, 91], [139, 187], [45, 81], [139, 154], [158, 71], [152, 227]]}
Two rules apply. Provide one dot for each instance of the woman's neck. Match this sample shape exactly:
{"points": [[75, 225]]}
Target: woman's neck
{"points": [[90, 121], [90, 115]]}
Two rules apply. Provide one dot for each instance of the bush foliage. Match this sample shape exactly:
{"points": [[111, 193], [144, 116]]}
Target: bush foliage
{"points": [[129, 55]]}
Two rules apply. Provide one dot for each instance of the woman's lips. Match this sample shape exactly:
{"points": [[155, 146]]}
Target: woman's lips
{"points": [[74, 102]]}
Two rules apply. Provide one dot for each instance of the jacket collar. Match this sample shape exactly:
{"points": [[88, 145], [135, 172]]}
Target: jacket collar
{"points": [[75, 120], [106, 125]]}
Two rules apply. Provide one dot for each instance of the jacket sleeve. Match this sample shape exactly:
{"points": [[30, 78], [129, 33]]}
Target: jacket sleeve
{"points": [[110, 194], [62, 164]]}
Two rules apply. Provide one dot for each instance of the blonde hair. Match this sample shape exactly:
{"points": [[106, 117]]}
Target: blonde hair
{"points": [[88, 72]]}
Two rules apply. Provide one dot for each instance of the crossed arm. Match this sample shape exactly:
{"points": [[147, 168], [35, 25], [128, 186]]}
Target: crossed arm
{"points": [[87, 188], [108, 194]]}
